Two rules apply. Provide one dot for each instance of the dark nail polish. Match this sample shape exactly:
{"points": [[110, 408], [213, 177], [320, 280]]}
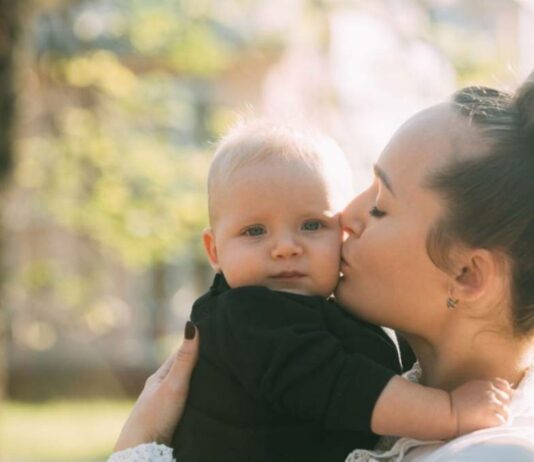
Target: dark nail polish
{"points": [[189, 330]]}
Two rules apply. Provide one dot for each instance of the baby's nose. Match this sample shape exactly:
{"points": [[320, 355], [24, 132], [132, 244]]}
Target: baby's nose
{"points": [[286, 247]]}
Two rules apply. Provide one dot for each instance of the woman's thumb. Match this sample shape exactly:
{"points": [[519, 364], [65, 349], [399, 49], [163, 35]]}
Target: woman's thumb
{"points": [[186, 356]]}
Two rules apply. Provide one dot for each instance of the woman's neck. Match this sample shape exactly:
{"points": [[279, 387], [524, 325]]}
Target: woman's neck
{"points": [[466, 353]]}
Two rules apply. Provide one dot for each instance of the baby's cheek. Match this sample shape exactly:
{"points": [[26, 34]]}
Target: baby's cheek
{"points": [[335, 251], [330, 270], [242, 276], [241, 266]]}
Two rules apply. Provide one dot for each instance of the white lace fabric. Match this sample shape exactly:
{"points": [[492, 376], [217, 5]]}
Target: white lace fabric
{"points": [[149, 452]]}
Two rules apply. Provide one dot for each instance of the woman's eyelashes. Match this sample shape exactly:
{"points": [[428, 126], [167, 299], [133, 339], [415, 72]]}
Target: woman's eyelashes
{"points": [[376, 212]]}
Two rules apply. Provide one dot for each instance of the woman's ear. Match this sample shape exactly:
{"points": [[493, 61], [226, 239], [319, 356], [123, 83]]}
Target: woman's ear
{"points": [[477, 275], [211, 249]]}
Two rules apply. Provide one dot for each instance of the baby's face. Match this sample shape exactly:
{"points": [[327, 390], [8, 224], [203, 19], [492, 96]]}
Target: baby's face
{"points": [[277, 227]]}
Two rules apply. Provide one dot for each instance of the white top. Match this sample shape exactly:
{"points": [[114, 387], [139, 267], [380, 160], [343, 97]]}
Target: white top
{"points": [[513, 441]]}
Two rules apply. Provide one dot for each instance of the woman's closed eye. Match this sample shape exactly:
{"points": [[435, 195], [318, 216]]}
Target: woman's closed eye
{"points": [[254, 231], [312, 225], [376, 212]]}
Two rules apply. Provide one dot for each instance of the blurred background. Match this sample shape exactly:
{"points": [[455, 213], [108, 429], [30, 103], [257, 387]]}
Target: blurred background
{"points": [[110, 111]]}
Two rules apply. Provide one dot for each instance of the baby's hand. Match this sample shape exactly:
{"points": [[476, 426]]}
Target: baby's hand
{"points": [[480, 404]]}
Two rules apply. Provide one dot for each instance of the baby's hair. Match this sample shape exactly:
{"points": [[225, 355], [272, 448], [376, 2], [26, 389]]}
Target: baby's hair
{"points": [[259, 140]]}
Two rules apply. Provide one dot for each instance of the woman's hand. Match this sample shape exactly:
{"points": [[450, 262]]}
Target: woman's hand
{"points": [[160, 405]]}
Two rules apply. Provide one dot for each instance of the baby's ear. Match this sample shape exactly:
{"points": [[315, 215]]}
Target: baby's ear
{"points": [[211, 250]]}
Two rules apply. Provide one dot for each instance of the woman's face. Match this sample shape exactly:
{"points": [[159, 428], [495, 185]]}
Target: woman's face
{"points": [[388, 277]]}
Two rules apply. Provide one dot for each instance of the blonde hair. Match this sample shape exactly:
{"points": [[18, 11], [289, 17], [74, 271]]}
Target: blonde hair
{"points": [[253, 142]]}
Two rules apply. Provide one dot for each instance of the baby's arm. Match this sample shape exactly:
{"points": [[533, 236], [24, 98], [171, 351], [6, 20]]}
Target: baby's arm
{"points": [[413, 410], [282, 353]]}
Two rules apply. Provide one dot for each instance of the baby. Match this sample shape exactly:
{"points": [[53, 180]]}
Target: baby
{"points": [[284, 373]]}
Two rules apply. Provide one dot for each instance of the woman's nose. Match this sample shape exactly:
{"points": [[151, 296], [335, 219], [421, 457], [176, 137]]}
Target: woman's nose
{"points": [[351, 218], [286, 247]]}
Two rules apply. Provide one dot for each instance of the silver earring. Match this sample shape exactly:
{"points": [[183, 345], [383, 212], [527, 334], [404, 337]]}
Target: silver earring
{"points": [[452, 302]]}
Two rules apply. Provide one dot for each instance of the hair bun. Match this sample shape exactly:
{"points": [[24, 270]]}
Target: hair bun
{"points": [[525, 105]]}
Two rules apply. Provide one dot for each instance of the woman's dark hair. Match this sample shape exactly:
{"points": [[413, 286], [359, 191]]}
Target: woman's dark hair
{"points": [[490, 196]]}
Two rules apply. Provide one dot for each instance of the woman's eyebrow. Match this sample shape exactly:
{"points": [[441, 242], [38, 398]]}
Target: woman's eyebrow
{"points": [[384, 178]]}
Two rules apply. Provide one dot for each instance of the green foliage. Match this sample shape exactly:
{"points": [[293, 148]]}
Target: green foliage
{"points": [[126, 159], [188, 45], [39, 275], [132, 193]]}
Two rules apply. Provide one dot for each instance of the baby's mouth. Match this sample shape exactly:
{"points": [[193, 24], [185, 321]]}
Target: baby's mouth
{"points": [[288, 275]]}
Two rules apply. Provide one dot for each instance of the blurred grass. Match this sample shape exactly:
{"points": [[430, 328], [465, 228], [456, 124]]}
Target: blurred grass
{"points": [[74, 431]]}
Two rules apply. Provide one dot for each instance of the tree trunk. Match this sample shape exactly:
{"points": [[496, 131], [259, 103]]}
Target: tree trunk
{"points": [[9, 38], [9, 33]]}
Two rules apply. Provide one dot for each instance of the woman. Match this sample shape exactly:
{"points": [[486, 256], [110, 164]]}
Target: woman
{"points": [[440, 248]]}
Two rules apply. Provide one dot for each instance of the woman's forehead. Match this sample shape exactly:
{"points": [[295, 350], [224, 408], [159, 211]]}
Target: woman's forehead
{"points": [[426, 142]]}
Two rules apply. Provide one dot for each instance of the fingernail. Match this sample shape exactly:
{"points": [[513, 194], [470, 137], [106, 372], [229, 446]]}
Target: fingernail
{"points": [[189, 330]]}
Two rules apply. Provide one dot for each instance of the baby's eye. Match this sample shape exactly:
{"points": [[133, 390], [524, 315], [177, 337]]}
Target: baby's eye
{"points": [[254, 231], [376, 212], [312, 225]]}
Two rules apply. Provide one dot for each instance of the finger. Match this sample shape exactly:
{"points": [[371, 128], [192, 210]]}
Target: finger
{"points": [[496, 403], [498, 416], [500, 419], [502, 395], [503, 414], [502, 384], [502, 410], [185, 358], [162, 371]]}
